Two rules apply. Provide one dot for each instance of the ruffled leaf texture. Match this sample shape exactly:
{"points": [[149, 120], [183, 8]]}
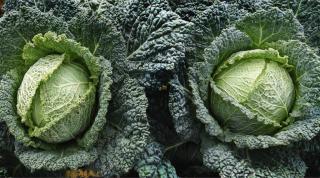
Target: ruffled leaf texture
{"points": [[227, 152], [113, 150], [127, 133], [230, 161], [307, 12], [64, 9], [152, 163], [300, 55], [251, 5], [155, 51], [155, 39], [6, 147], [189, 9], [204, 26]]}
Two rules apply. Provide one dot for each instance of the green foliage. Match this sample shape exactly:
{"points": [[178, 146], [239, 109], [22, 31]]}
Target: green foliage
{"points": [[43, 97], [262, 30], [195, 88], [65, 9], [252, 83], [230, 161], [188, 9], [118, 129], [155, 38], [223, 46], [267, 26], [307, 12], [151, 163], [251, 5], [127, 132]]}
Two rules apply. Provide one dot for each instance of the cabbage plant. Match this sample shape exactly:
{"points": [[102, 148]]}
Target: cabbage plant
{"points": [[274, 41], [57, 93], [254, 87], [65, 97]]}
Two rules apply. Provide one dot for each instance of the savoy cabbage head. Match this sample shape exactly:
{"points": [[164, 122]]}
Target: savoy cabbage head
{"points": [[252, 83], [64, 97]]}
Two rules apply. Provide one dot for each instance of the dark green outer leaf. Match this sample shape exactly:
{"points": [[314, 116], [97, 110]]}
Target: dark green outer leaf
{"points": [[307, 12], [98, 34], [156, 52], [272, 25], [14, 36], [59, 8], [231, 40], [39, 22], [152, 165], [251, 5], [115, 10], [155, 41], [218, 16], [188, 9], [234, 162], [127, 132], [215, 18], [181, 110]]}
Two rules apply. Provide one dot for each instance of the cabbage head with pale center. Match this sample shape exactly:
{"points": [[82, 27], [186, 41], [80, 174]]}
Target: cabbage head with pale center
{"points": [[252, 91]]}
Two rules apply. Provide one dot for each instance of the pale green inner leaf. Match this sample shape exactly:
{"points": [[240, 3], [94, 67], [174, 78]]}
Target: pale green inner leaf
{"points": [[63, 90], [260, 84], [37, 73]]}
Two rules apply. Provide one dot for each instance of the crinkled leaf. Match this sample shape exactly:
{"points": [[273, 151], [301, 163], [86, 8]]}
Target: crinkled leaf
{"points": [[14, 36], [209, 23], [234, 162], [181, 111], [115, 10], [251, 5], [35, 159], [299, 55], [188, 9], [59, 8], [127, 131], [155, 38], [39, 22], [308, 14], [267, 26], [152, 165], [155, 42], [98, 34]]}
